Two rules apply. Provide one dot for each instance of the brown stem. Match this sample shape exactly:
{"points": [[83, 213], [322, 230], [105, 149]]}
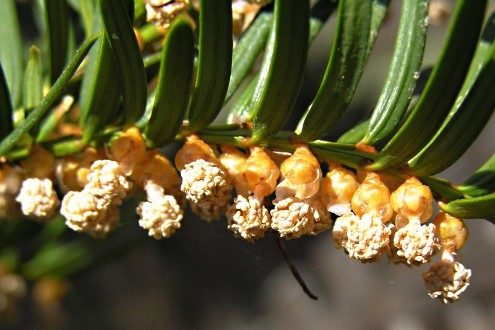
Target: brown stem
{"points": [[292, 267]]}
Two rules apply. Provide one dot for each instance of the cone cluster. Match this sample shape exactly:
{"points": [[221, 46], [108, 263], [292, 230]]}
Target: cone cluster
{"points": [[255, 189]]}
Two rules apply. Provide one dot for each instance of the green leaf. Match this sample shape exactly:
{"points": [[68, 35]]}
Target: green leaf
{"points": [[174, 84], [345, 154], [33, 86], [6, 111], [139, 12], [214, 63], [150, 102], [100, 93], [58, 259], [129, 5], [245, 105], [50, 232], [482, 181], [482, 207], [442, 187], [355, 134], [49, 124], [344, 69], [149, 32], [403, 72], [33, 79], [11, 55], [125, 48], [442, 87], [10, 257], [247, 51], [35, 116], [469, 115], [282, 70], [254, 39], [480, 57], [152, 60], [57, 23], [87, 9]]}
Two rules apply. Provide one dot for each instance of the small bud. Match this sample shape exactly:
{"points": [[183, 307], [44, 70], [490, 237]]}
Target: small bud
{"points": [[39, 164], [203, 181], [83, 213], [293, 217], [451, 231], [157, 168], [391, 182], [89, 156], [234, 161], [439, 12], [162, 12], [72, 172], [10, 180], [11, 284], [161, 216], [365, 238], [416, 243], [9, 208], [192, 150], [337, 189], [38, 199], [107, 182], [261, 173], [446, 280], [10, 184], [243, 12], [301, 173], [66, 174], [210, 211], [13, 288], [248, 218], [413, 200], [372, 197], [129, 150], [48, 293], [79, 209]]}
